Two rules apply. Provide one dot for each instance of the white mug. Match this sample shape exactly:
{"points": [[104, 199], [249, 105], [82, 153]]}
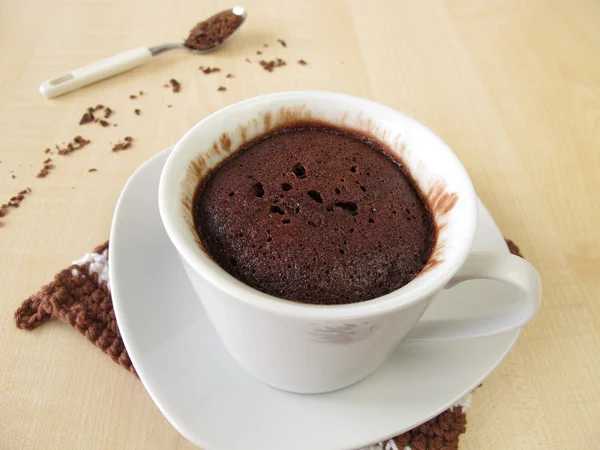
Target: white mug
{"points": [[307, 348]]}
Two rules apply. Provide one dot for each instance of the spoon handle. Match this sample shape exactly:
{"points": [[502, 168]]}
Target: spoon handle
{"points": [[94, 72]]}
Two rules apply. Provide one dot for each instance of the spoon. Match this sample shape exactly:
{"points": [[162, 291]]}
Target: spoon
{"points": [[121, 62]]}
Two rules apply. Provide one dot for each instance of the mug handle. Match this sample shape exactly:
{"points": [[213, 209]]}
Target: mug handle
{"points": [[507, 268]]}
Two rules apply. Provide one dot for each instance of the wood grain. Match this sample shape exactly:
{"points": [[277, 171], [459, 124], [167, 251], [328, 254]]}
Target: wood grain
{"points": [[513, 87]]}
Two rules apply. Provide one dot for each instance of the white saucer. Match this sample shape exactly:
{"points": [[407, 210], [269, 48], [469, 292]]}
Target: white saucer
{"points": [[215, 404]]}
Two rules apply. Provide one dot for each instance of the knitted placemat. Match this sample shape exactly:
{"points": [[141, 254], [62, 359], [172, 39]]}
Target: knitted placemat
{"points": [[80, 296]]}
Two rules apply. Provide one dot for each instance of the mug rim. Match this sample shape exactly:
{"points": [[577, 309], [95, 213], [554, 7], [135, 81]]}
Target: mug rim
{"points": [[210, 271]]}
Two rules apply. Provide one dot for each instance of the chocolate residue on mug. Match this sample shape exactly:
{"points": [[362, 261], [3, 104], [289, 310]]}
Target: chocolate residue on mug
{"points": [[225, 141], [440, 203]]}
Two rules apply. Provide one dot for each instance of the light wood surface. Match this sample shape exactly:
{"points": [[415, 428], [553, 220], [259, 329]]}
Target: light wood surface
{"points": [[513, 87]]}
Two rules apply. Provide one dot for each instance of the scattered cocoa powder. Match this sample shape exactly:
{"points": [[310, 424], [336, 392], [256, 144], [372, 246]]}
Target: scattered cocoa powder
{"points": [[209, 70], [214, 31], [270, 65], [46, 168], [248, 61], [14, 202], [123, 145], [92, 170], [78, 143], [302, 62], [258, 52], [137, 112], [176, 85], [86, 118], [229, 75], [282, 42], [89, 116], [222, 88], [169, 106]]}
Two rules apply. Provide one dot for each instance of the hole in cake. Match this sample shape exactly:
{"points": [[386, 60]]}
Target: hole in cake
{"points": [[286, 186], [277, 210], [363, 188], [232, 261], [286, 221], [337, 191], [341, 251], [231, 194], [258, 189], [316, 196], [299, 171], [351, 207], [353, 169], [371, 220]]}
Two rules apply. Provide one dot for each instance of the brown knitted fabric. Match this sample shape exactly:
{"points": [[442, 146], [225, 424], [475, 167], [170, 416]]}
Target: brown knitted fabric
{"points": [[84, 302]]}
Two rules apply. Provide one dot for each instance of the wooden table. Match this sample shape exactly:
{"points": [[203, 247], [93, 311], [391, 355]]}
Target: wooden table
{"points": [[513, 87]]}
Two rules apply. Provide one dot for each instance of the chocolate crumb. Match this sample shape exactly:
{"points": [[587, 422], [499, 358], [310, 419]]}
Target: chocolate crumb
{"points": [[137, 112], [222, 88], [104, 123], [270, 65], [166, 85], [247, 60], [265, 45], [302, 62], [175, 84], [86, 118], [282, 42], [47, 151], [107, 112], [99, 107], [45, 170], [123, 145], [78, 143], [169, 106], [141, 93], [229, 75], [133, 97], [13, 176], [92, 170], [48, 160], [258, 52], [209, 70]]}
